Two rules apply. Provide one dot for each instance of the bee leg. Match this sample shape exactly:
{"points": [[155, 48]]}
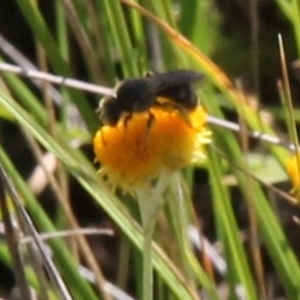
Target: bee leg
{"points": [[150, 122], [185, 116], [102, 138], [127, 118], [169, 106], [183, 113]]}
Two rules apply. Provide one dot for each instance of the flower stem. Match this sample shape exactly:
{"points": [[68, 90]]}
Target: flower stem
{"points": [[150, 202], [147, 262], [149, 214]]}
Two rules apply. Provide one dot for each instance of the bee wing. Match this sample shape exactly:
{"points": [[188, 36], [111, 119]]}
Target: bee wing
{"points": [[161, 83]]}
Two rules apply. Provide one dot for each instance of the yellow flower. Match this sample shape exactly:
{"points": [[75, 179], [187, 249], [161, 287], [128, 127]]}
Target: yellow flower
{"points": [[138, 150], [292, 167]]}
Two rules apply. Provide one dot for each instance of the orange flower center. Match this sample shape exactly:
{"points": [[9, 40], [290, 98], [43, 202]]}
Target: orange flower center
{"points": [[143, 146]]}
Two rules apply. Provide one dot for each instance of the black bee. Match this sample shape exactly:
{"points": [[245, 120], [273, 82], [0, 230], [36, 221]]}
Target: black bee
{"points": [[139, 94]]}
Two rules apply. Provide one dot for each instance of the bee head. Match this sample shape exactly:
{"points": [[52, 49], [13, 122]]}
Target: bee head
{"points": [[109, 111]]}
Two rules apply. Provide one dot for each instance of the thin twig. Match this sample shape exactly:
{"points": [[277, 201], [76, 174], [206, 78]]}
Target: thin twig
{"points": [[254, 134], [20, 60], [68, 82]]}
